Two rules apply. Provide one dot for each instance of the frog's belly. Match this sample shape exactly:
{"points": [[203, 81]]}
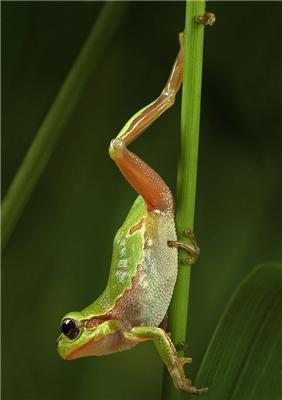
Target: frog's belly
{"points": [[147, 301]]}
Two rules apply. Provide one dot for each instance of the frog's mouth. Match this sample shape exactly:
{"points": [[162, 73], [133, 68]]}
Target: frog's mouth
{"points": [[79, 347], [83, 350], [98, 345]]}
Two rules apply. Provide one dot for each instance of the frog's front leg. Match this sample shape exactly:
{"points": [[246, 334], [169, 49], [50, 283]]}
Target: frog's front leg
{"points": [[192, 248], [168, 353]]}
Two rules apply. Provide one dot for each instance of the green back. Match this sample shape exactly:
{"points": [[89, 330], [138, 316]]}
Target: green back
{"points": [[127, 255]]}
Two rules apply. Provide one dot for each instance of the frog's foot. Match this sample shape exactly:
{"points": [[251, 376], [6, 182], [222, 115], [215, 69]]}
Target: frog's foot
{"points": [[180, 380], [192, 248], [208, 19], [168, 353]]}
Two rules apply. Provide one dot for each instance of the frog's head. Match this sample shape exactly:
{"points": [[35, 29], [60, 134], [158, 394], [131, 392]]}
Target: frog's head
{"points": [[80, 338]]}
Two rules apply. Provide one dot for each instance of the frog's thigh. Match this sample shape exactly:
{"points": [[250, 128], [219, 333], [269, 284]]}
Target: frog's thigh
{"points": [[141, 176], [168, 353]]}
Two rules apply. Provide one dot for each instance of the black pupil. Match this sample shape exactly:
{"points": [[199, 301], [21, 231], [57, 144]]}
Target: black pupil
{"points": [[69, 328]]}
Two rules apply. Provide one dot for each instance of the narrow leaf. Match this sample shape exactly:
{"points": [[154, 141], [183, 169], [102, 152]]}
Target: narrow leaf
{"points": [[55, 121], [243, 360]]}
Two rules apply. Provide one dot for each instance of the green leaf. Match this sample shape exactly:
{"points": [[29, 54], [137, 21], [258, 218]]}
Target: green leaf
{"points": [[52, 127], [242, 360]]}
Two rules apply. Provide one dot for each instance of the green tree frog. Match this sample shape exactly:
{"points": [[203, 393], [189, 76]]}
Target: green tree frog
{"points": [[133, 307]]}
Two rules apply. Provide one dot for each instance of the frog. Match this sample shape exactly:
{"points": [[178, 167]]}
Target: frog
{"points": [[133, 307]]}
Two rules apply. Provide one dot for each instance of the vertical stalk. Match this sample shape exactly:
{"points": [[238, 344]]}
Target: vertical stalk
{"points": [[55, 121], [187, 172]]}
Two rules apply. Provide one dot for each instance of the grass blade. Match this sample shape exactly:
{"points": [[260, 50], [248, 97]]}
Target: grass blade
{"points": [[243, 360], [52, 126]]}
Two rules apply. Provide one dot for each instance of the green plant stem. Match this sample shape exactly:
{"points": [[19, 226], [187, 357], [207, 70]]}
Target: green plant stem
{"points": [[55, 121], [187, 172]]}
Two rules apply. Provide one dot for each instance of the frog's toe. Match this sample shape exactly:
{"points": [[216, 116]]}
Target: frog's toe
{"points": [[185, 360], [187, 387]]}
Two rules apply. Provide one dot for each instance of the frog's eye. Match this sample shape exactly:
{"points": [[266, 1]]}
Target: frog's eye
{"points": [[69, 328]]}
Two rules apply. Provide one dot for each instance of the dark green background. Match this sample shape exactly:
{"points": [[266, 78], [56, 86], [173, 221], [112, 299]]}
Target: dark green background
{"points": [[58, 257]]}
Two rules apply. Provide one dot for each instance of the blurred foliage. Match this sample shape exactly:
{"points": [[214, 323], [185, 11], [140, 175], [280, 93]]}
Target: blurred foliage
{"points": [[243, 360], [58, 257], [62, 108]]}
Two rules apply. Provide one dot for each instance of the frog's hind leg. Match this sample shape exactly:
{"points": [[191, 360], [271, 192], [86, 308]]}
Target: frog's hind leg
{"points": [[143, 178], [168, 353]]}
